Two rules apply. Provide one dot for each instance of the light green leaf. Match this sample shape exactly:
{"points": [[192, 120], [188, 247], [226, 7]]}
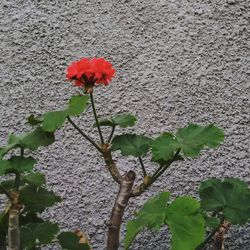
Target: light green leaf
{"points": [[230, 196], [53, 120], [152, 216], [37, 199], [121, 120], [193, 138], [35, 179], [4, 166], [70, 241], [77, 104], [131, 144], [186, 224], [32, 140]]}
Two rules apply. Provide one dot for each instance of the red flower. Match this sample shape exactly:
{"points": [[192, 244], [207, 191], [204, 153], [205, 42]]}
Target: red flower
{"points": [[89, 72]]}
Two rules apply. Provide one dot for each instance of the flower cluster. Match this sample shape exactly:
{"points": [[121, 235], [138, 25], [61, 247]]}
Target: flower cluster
{"points": [[89, 72]]}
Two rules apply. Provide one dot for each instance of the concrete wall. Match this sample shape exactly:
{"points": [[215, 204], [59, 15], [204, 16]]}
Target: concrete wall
{"points": [[177, 62]]}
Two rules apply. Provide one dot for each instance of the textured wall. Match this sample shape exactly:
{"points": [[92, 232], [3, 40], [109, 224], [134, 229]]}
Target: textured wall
{"points": [[177, 62]]}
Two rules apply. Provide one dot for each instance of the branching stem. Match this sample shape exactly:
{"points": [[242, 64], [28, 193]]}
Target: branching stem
{"points": [[84, 135]]}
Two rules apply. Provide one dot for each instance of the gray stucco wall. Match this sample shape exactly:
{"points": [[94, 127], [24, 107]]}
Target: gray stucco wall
{"points": [[177, 62]]}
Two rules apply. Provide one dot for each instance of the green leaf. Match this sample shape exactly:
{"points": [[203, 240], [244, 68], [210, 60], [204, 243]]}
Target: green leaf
{"points": [[164, 147], [230, 196], [21, 163], [54, 120], [29, 218], [131, 144], [211, 222], [43, 232], [70, 241], [121, 120], [193, 138], [186, 224], [77, 104], [125, 120], [34, 121], [4, 166], [152, 216], [32, 140], [106, 122], [35, 179], [37, 199]]}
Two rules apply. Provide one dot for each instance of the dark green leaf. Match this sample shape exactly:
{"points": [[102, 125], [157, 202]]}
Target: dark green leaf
{"points": [[34, 121], [106, 122], [29, 218], [186, 224], [37, 199], [43, 232], [4, 166], [35, 179], [131, 144], [70, 241], [164, 147], [230, 196], [22, 164], [211, 222], [152, 216]]}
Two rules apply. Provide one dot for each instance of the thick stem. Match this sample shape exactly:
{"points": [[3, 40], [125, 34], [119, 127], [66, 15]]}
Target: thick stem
{"points": [[110, 163], [218, 239], [96, 118], [13, 227], [118, 210]]}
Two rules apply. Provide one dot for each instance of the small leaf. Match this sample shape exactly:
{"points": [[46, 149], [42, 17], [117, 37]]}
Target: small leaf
{"points": [[77, 104], [211, 222], [70, 241], [121, 120], [152, 216], [35, 179], [105, 122], [230, 196], [37, 199], [124, 120], [34, 121], [186, 224], [131, 144]]}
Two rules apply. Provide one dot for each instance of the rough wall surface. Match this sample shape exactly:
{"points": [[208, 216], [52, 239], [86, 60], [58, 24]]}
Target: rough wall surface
{"points": [[177, 62]]}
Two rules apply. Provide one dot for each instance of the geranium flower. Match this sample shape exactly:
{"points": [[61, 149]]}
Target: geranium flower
{"points": [[90, 72]]}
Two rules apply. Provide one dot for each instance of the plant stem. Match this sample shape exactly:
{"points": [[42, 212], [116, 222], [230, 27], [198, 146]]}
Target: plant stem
{"points": [[96, 118], [18, 175], [143, 167], [13, 225], [112, 133], [118, 210], [84, 135]]}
